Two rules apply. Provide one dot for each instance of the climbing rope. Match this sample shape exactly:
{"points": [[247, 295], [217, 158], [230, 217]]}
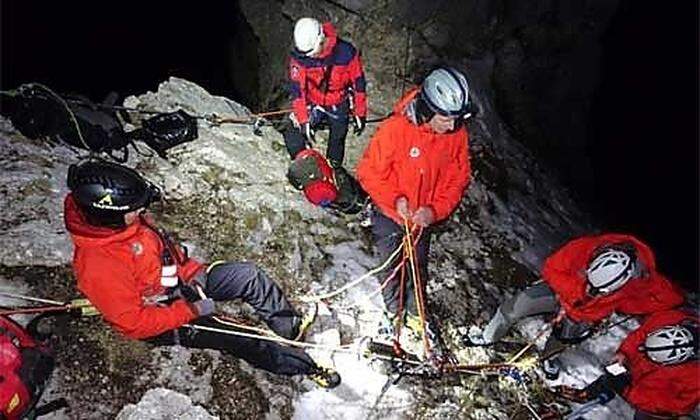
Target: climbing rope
{"points": [[329, 295], [417, 287]]}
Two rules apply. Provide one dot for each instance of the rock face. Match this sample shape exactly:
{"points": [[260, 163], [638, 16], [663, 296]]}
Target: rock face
{"points": [[31, 201], [228, 198], [163, 404], [543, 57]]}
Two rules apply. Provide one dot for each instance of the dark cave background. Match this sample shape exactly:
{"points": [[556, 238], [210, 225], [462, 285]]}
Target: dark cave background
{"points": [[635, 169]]}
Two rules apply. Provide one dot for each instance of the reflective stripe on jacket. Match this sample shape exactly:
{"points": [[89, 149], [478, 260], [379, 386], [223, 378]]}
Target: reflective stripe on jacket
{"points": [[119, 271]]}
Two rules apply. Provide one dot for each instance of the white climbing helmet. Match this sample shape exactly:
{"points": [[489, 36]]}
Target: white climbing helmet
{"points": [[445, 91], [671, 345], [609, 271], [308, 36]]}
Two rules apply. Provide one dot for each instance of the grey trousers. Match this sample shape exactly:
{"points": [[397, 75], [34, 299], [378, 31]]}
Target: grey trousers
{"points": [[247, 282], [537, 299]]}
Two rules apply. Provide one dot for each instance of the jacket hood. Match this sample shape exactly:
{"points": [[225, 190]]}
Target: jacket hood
{"points": [[87, 235], [331, 39], [405, 105]]}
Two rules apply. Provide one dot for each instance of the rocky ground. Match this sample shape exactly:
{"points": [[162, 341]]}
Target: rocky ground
{"points": [[227, 198]]}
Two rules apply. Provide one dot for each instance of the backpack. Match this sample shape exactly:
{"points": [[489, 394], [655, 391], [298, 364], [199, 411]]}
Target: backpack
{"points": [[351, 198], [25, 366], [323, 186], [311, 173], [38, 112]]}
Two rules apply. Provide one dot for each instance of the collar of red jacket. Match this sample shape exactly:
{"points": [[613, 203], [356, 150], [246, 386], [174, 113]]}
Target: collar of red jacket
{"points": [[331, 40], [400, 109], [400, 106], [85, 234]]}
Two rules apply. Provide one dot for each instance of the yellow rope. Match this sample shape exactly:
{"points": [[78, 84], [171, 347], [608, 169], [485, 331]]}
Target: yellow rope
{"points": [[408, 240], [386, 263]]}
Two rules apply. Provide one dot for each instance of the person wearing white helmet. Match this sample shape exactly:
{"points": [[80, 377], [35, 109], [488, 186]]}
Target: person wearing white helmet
{"points": [[585, 281], [656, 369], [327, 86], [416, 169]]}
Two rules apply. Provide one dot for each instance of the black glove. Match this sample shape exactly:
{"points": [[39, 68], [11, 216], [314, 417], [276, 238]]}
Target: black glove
{"points": [[609, 383], [359, 124], [188, 292]]}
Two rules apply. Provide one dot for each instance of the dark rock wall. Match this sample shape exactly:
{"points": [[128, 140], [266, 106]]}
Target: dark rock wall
{"points": [[546, 56]]}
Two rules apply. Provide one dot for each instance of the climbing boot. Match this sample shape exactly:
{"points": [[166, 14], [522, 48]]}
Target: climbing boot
{"points": [[325, 377], [551, 368], [475, 338], [415, 324], [307, 319]]}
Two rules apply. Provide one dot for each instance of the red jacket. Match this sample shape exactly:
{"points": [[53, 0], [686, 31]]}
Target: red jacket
{"points": [[119, 270], [655, 388], [308, 76], [403, 159], [565, 272]]}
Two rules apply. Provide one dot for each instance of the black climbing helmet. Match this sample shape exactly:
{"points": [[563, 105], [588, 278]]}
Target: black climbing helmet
{"points": [[106, 191]]}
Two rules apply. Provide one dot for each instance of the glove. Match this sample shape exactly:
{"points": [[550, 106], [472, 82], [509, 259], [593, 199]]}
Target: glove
{"points": [[188, 292], [402, 207], [203, 307], [308, 132], [359, 125], [423, 217]]}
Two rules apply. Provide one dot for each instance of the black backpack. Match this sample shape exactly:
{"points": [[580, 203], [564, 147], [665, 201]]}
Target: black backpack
{"points": [[38, 112]]}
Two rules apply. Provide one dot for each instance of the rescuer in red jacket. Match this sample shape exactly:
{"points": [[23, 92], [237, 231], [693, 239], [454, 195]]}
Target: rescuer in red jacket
{"points": [[327, 85], [657, 370], [587, 280], [146, 287], [415, 169]]}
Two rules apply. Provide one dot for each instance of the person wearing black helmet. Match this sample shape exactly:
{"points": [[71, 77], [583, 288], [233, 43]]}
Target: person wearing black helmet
{"points": [[416, 169], [147, 287]]}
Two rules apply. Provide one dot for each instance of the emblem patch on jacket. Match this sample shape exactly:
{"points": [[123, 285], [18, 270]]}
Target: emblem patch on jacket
{"points": [[414, 152], [137, 248]]}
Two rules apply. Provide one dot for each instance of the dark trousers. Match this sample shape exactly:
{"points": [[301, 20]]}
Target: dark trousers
{"points": [[387, 236], [247, 282], [337, 122]]}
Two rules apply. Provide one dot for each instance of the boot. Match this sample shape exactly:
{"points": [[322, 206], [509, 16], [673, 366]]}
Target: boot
{"points": [[475, 338], [307, 319], [551, 368], [324, 377]]}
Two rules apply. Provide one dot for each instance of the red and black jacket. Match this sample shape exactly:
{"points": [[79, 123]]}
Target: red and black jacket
{"points": [[326, 80]]}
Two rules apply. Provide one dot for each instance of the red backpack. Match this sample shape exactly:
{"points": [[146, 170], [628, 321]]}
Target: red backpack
{"points": [[25, 365], [311, 173]]}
